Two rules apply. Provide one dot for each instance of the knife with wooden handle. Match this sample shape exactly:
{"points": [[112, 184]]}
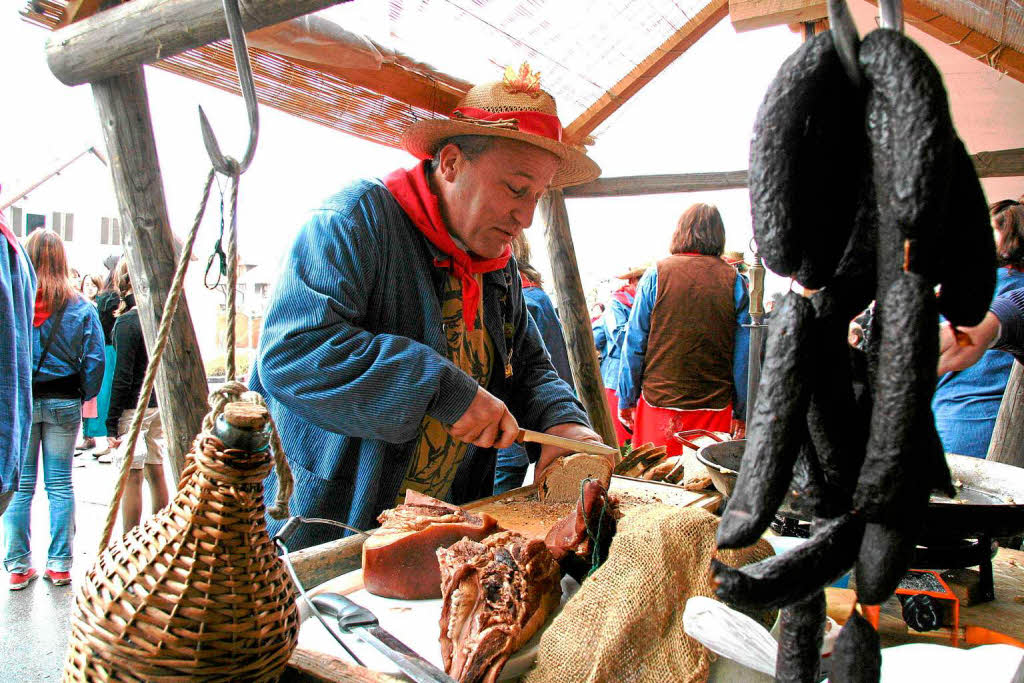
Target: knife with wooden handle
{"points": [[569, 444]]}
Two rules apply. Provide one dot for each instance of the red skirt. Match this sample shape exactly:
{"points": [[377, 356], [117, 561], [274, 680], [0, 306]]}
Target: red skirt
{"points": [[613, 405], [658, 425]]}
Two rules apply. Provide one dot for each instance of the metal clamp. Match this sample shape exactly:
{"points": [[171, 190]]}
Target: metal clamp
{"points": [[228, 165]]}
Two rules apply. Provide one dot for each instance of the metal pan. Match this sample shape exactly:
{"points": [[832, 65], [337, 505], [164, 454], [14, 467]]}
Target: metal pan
{"points": [[990, 502]]}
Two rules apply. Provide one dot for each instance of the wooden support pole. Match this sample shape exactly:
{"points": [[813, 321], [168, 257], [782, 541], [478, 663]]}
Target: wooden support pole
{"points": [[1007, 445], [572, 310], [123, 38], [181, 389]]}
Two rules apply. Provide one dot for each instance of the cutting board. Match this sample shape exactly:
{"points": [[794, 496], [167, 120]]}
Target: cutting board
{"points": [[414, 622]]}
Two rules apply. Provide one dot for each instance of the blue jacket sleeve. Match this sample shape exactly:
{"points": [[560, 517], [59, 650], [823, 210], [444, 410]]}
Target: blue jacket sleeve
{"points": [[634, 346], [1009, 308], [741, 349], [600, 338], [317, 359], [93, 355]]}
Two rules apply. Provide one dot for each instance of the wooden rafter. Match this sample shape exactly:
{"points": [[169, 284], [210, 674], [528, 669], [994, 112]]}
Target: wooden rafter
{"points": [[666, 53], [78, 10], [1002, 163], [972, 43]]}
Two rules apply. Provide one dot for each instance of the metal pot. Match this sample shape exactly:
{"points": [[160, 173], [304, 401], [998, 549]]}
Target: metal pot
{"points": [[990, 502]]}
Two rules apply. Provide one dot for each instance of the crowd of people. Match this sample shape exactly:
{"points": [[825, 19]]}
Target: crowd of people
{"points": [[72, 358]]}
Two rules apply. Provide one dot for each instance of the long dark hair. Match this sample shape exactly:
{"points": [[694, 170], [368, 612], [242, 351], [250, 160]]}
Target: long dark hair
{"points": [[46, 251], [123, 283], [521, 250], [700, 231], [1008, 221]]}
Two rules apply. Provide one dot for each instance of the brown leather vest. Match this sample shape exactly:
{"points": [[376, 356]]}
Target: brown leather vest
{"points": [[693, 330]]}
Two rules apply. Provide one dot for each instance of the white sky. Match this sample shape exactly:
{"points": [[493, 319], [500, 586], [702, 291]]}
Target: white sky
{"points": [[696, 116]]}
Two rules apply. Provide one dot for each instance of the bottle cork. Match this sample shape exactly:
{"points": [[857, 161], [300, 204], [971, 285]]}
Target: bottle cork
{"points": [[246, 415]]}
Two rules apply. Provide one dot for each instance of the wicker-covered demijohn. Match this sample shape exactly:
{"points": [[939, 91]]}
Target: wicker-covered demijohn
{"points": [[197, 591]]}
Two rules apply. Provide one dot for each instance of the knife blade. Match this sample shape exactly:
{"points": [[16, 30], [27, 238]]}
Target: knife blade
{"points": [[361, 622], [569, 444]]}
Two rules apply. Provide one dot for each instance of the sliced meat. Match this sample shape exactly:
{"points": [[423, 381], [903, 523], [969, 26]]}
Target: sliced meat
{"points": [[496, 594], [399, 560]]}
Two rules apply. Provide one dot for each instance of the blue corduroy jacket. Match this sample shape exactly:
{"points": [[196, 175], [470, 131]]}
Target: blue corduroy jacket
{"points": [[17, 303], [352, 356]]}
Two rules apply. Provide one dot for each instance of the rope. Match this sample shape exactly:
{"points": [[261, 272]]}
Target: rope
{"points": [[232, 254], [170, 308], [231, 392]]}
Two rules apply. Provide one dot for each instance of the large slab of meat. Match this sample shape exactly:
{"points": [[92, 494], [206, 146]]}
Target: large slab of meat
{"points": [[496, 593], [399, 560], [580, 541]]}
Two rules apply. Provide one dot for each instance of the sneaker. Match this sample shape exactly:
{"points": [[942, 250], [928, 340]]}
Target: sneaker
{"points": [[22, 580], [106, 458], [100, 451], [57, 578], [86, 444]]}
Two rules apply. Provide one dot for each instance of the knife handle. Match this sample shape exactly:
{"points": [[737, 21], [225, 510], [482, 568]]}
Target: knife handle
{"points": [[349, 614]]}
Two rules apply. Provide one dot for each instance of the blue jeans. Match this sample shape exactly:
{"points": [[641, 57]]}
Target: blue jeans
{"points": [[55, 423]]}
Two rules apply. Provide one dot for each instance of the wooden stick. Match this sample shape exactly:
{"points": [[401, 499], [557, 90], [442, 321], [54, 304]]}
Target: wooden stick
{"points": [[1007, 444], [181, 390], [123, 38], [572, 309]]}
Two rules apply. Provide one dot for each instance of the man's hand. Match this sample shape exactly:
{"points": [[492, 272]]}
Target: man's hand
{"points": [[953, 357], [568, 430], [738, 429], [627, 416], [487, 423], [113, 442]]}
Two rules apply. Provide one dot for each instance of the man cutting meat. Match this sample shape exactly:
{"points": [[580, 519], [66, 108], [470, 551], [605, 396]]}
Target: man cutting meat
{"points": [[397, 351]]}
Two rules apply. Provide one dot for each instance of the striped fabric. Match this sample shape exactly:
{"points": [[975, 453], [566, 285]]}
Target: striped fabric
{"points": [[352, 357]]}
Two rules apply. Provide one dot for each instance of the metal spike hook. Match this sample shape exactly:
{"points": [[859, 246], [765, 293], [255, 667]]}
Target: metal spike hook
{"points": [[891, 14], [228, 165], [847, 41]]}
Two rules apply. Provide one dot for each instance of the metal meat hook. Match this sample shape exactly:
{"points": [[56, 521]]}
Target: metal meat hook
{"points": [[847, 41], [228, 165], [891, 14]]}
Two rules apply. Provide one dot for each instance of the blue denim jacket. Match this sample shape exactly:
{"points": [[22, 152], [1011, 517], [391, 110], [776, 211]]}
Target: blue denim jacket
{"points": [[77, 347], [609, 338], [352, 357], [17, 303]]}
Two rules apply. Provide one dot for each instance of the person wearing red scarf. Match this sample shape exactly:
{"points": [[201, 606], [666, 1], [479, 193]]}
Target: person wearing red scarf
{"points": [[397, 351]]}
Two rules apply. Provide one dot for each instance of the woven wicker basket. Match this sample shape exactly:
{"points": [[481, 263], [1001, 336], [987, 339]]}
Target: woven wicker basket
{"points": [[197, 591]]}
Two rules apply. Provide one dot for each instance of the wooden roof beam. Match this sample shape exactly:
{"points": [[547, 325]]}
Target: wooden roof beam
{"points": [[122, 38], [678, 43], [1001, 163], [972, 43]]}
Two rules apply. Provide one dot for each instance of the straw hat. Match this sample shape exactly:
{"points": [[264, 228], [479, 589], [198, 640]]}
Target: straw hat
{"points": [[514, 108], [636, 271]]}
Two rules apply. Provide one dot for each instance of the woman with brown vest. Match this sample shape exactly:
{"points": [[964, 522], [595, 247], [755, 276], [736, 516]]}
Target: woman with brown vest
{"points": [[684, 362]]}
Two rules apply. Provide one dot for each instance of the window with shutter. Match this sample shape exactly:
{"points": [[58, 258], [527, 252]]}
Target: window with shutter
{"points": [[69, 226], [16, 222], [104, 231]]}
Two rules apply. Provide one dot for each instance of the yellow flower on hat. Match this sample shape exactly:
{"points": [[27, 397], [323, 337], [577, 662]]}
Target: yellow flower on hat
{"points": [[522, 81]]}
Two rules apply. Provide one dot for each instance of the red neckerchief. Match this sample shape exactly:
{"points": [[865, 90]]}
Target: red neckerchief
{"points": [[412, 191], [625, 295], [42, 311], [527, 282]]}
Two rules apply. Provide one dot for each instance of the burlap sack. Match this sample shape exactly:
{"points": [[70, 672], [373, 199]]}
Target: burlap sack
{"points": [[626, 622]]}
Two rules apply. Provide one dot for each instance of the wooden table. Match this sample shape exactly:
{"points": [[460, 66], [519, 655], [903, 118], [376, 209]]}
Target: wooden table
{"points": [[515, 510]]}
